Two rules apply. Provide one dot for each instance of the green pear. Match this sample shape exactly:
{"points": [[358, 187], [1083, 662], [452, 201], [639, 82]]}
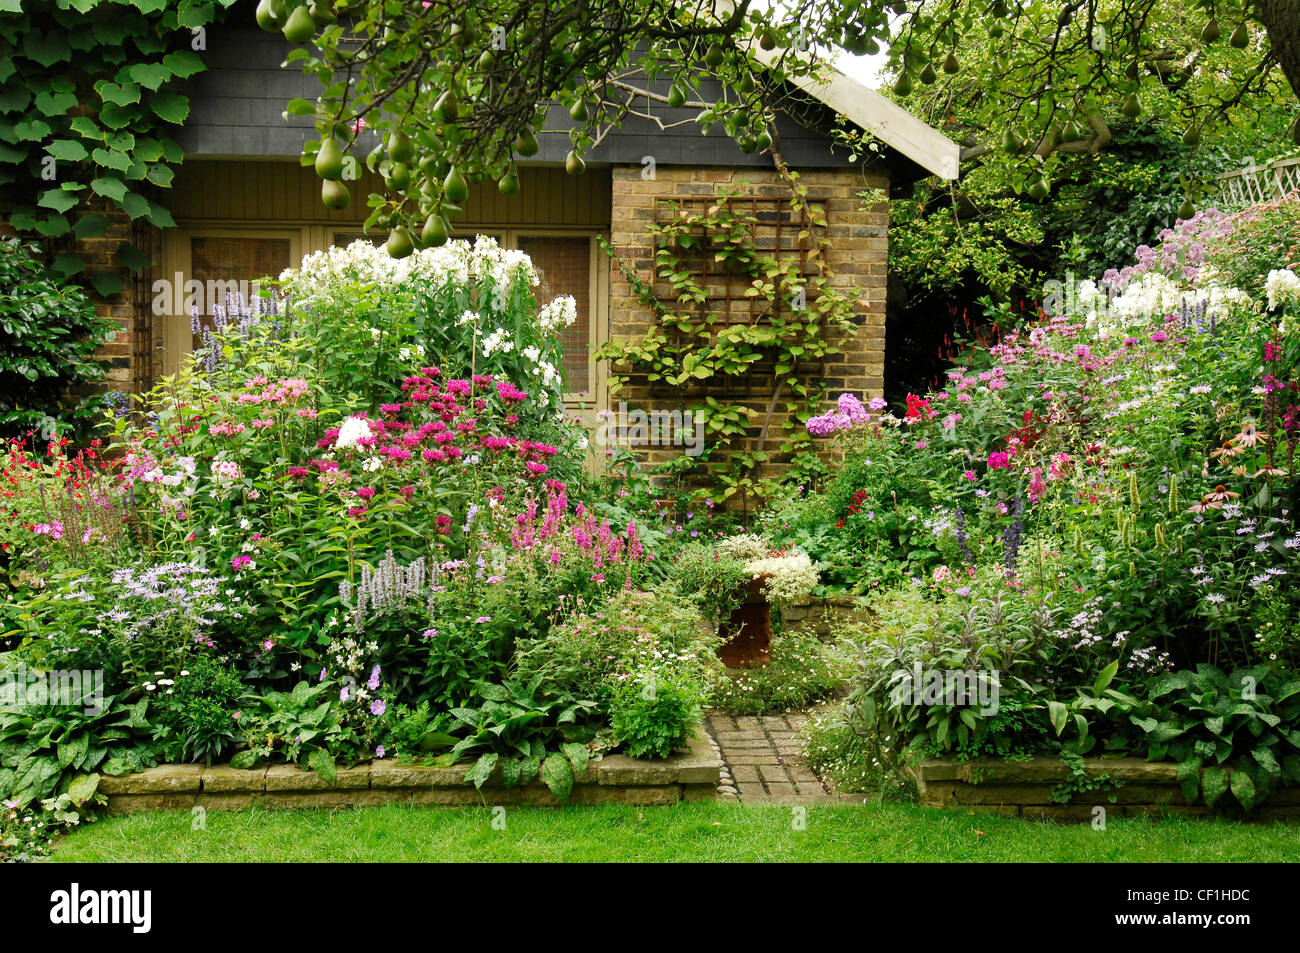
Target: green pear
{"points": [[573, 164], [904, 85], [950, 65], [509, 183], [578, 112], [1192, 137], [1211, 32], [334, 194], [329, 160], [447, 108], [1187, 209], [714, 55], [399, 177], [676, 96], [763, 140], [266, 18], [928, 74], [434, 232], [767, 39], [487, 61], [1039, 189], [455, 187], [400, 147], [1240, 38], [300, 27], [1132, 106], [399, 243], [526, 143]]}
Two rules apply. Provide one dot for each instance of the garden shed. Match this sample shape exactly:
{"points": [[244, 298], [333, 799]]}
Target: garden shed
{"points": [[245, 207]]}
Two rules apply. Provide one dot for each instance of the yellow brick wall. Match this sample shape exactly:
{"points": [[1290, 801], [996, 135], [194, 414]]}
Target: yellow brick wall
{"points": [[856, 260]]}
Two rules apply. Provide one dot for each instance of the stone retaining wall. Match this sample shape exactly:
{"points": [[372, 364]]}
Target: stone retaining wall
{"points": [[615, 779], [824, 615], [1024, 788]]}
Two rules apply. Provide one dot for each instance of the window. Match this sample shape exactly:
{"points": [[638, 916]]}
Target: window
{"points": [[228, 266]]}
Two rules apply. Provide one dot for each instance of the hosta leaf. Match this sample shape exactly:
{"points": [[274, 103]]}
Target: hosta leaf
{"points": [[1264, 758], [244, 759], [512, 771], [1189, 776]]}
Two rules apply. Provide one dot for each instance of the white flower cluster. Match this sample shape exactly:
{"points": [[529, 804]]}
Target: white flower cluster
{"points": [[792, 577], [560, 313], [743, 546], [497, 342], [326, 273], [1281, 286], [352, 430], [1152, 295]]}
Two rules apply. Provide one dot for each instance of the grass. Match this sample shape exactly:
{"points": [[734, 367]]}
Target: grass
{"points": [[705, 832]]}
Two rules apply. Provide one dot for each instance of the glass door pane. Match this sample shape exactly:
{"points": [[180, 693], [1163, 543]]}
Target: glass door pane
{"points": [[231, 265], [564, 266]]}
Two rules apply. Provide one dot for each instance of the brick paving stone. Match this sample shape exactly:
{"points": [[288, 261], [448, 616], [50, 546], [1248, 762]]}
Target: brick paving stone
{"points": [[748, 723], [774, 723], [773, 773], [802, 774], [748, 791], [813, 787], [747, 745], [753, 758], [745, 772], [765, 761], [781, 789]]}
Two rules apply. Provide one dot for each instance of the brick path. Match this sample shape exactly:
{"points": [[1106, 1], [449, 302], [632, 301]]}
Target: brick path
{"points": [[761, 760]]}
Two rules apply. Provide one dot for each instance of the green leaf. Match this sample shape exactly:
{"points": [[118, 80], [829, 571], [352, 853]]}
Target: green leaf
{"points": [[183, 63], [1214, 782], [1058, 713], [558, 775], [33, 130], [118, 94], [1105, 678], [46, 48], [1264, 758], [131, 257], [66, 150], [322, 762], [244, 759], [83, 788], [90, 226], [107, 284], [578, 756], [171, 107], [149, 75], [114, 189], [482, 770], [1189, 776], [57, 199], [51, 103], [1243, 788], [135, 205], [512, 771]]}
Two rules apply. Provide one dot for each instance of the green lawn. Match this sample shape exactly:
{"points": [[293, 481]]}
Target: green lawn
{"points": [[687, 832]]}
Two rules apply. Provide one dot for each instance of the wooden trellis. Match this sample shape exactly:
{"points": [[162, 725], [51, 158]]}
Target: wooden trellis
{"points": [[1258, 183], [774, 231]]}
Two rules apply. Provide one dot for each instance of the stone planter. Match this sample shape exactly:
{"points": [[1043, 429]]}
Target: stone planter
{"points": [[748, 632]]}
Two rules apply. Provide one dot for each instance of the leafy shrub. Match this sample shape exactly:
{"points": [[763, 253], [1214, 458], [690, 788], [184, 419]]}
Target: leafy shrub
{"points": [[49, 333], [652, 717], [196, 717]]}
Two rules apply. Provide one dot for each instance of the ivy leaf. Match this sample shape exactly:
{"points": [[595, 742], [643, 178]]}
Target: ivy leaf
{"points": [[90, 226], [117, 117], [183, 63], [160, 175], [33, 130], [46, 48], [15, 98], [87, 128], [53, 227], [170, 107], [111, 159], [55, 104], [57, 199], [12, 154], [119, 94], [107, 284], [149, 75], [68, 264], [110, 188], [66, 150], [131, 257]]}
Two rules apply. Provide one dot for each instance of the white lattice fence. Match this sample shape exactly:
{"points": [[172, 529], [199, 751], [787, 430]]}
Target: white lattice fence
{"points": [[1259, 183]]}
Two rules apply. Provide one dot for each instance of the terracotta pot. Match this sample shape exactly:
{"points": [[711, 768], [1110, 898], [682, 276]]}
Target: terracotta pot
{"points": [[748, 632]]}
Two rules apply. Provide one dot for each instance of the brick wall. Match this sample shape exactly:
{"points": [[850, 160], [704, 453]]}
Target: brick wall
{"points": [[856, 260], [131, 353]]}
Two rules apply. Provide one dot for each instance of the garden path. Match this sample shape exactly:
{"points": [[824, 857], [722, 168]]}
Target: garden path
{"points": [[762, 763]]}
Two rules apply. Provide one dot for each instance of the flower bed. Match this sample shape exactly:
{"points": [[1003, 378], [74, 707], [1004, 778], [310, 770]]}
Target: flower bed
{"points": [[1086, 540]]}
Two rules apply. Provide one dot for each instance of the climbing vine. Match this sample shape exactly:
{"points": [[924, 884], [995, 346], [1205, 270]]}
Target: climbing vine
{"points": [[799, 319], [86, 102]]}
